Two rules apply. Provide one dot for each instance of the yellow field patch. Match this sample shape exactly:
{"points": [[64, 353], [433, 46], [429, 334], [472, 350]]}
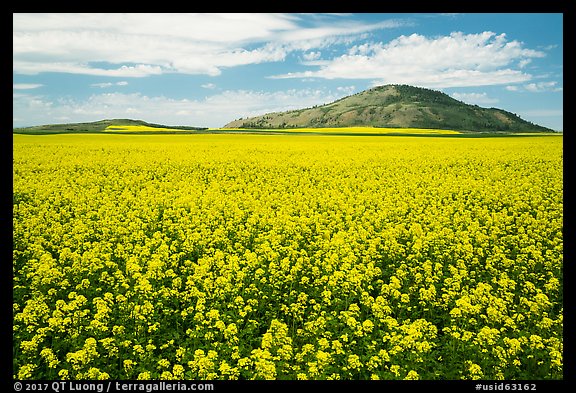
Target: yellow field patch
{"points": [[137, 128], [358, 130]]}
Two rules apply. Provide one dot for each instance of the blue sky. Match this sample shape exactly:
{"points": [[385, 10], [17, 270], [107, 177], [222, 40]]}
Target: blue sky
{"points": [[208, 69]]}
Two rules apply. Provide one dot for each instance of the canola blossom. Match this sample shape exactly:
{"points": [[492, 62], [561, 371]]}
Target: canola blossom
{"points": [[139, 128], [362, 130], [287, 257]]}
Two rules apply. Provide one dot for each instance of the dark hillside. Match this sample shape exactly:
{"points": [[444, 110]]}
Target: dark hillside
{"points": [[399, 106]]}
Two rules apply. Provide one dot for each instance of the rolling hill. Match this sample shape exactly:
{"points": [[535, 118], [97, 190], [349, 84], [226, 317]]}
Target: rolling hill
{"points": [[397, 106], [108, 125]]}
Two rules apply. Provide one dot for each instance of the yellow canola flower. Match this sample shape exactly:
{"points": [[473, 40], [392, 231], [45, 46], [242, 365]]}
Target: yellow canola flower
{"points": [[49, 357], [317, 257], [25, 371], [475, 371]]}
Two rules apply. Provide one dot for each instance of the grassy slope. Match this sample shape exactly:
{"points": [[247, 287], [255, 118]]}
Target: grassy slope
{"points": [[399, 107], [104, 126], [375, 131]]}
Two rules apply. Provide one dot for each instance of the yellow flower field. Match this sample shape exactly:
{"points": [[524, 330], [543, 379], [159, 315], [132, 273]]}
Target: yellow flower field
{"points": [[327, 130], [137, 128], [357, 130], [287, 257]]}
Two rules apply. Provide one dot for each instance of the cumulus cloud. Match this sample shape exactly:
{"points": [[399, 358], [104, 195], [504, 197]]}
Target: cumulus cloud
{"points": [[448, 61], [138, 45], [109, 84], [539, 87], [124, 71], [310, 56], [474, 98], [346, 90], [207, 112], [536, 87], [26, 86]]}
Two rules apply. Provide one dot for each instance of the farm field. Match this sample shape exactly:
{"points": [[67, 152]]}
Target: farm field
{"points": [[352, 131], [287, 257], [137, 128]]}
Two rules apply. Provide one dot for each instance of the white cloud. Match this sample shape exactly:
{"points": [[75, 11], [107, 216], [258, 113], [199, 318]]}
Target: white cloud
{"points": [[346, 90], [542, 87], [474, 98], [208, 86], [310, 56], [536, 87], [26, 86], [137, 45], [548, 47], [448, 61], [102, 85], [524, 62], [159, 109], [137, 71], [109, 84]]}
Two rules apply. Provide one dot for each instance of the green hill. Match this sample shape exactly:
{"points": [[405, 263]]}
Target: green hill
{"points": [[97, 126], [398, 106]]}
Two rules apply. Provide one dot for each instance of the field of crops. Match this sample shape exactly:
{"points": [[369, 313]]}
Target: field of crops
{"points": [[287, 257], [137, 128], [355, 130], [143, 129]]}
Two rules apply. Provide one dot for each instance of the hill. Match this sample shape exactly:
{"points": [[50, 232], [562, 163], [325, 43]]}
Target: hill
{"points": [[398, 106], [108, 125]]}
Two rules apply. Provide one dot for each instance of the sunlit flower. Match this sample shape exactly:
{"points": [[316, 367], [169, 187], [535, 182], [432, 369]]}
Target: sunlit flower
{"points": [[250, 257]]}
